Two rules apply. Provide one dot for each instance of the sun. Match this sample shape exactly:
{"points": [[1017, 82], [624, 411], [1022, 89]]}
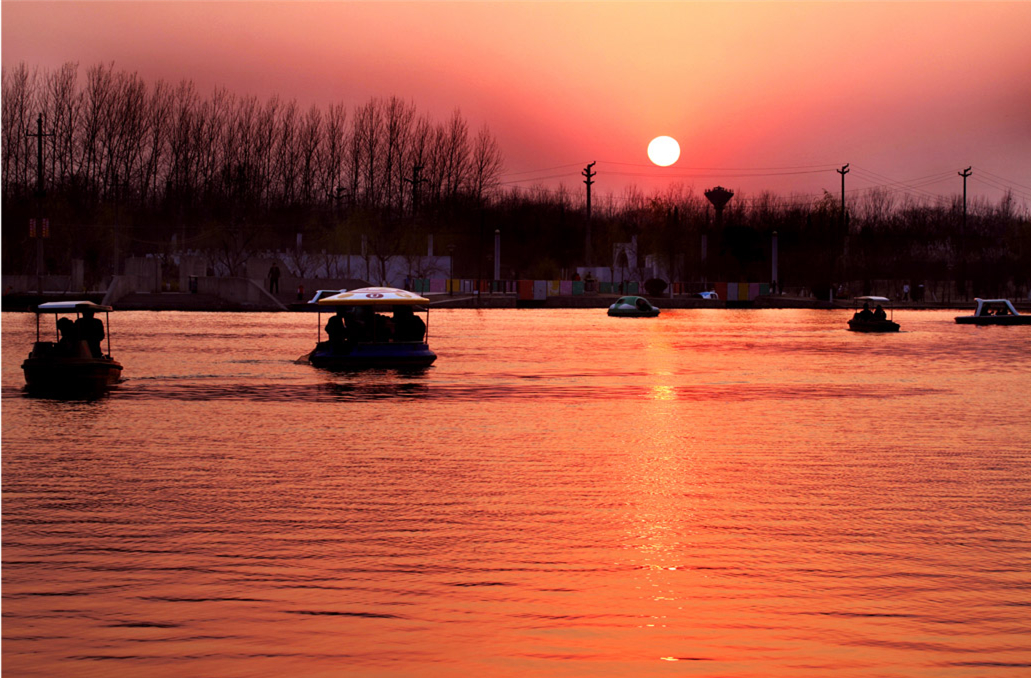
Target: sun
{"points": [[663, 151]]}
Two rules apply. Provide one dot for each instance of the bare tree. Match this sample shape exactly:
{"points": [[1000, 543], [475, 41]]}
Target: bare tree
{"points": [[486, 165], [19, 94], [310, 141]]}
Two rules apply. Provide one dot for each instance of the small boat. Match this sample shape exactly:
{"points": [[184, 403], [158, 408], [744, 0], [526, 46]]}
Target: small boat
{"points": [[633, 307], [70, 363], [868, 321], [994, 312], [368, 338]]}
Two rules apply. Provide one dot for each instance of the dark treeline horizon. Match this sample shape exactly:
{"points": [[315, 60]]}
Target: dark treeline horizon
{"points": [[131, 168]]}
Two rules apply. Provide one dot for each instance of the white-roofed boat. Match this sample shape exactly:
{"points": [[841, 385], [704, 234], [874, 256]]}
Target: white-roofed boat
{"points": [[71, 363], [873, 321], [365, 337], [994, 312]]}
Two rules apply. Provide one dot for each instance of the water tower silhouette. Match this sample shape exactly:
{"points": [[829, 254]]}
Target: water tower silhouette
{"points": [[719, 197]]}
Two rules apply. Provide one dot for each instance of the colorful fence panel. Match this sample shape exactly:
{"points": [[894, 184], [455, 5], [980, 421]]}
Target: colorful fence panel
{"points": [[566, 288], [540, 290], [578, 287]]}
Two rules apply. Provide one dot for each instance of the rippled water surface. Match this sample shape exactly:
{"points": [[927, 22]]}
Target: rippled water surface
{"points": [[709, 493]]}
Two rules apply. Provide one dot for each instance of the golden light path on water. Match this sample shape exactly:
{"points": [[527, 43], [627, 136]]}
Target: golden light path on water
{"points": [[712, 492]]}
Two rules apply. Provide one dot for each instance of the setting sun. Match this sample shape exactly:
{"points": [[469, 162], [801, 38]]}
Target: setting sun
{"points": [[663, 151]]}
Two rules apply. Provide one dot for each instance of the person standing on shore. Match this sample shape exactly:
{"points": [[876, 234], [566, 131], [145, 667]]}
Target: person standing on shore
{"points": [[273, 279]]}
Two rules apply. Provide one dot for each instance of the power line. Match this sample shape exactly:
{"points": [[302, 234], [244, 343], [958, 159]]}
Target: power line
{"points": [[1008, 181], [991, 183], [518, 181], [824, 167], [543, 169], [715, 175]]}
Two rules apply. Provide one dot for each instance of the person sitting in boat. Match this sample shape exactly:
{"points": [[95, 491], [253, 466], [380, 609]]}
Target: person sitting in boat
{"points": [[68, 344], [337, 329], [865, 314], [384, 328], [879, 313], [407, 325], [91, 330]]}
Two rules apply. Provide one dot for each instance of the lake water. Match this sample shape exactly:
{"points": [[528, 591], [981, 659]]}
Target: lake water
{"points": [[709, 493]]}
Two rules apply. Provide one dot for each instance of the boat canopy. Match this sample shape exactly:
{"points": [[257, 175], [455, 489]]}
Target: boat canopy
{"points": [[374, 296], [71, 307], [998, 305], [632, 301], [322, 294], [875, 300]]}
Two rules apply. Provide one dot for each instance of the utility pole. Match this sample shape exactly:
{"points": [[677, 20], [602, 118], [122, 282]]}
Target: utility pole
{"points": [[415, 181], [963, 229], [843, 171], [44, 230], [588, 181], [965, 173], [844, 219]]}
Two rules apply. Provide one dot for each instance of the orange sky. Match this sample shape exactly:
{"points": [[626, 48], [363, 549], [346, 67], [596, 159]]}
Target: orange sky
{"points": [[900, 90]]}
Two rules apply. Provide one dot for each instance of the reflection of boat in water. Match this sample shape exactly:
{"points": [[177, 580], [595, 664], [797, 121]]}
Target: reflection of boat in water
{"points": [[872, 321], [994, 312], [633, 307], [365, 337], [70, 363]]}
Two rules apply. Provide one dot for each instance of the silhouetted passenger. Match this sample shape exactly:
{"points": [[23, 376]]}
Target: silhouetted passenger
{"points": [[383, 328], [336, 328], [865, 314], [407, 325], [91, 330], [879, 314], [68, 344], [360, 323]]}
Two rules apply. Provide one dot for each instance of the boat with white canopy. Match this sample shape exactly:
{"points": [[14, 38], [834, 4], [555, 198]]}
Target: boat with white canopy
{"points": [[361, 334], [72, 362], [994, 312], [877, 320]]}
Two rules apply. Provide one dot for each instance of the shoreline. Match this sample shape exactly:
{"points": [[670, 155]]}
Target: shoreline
{"points": [[187, 302]]}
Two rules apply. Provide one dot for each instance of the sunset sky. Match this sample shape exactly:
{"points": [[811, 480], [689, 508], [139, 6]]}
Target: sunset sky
{"points": [[905, 92]]}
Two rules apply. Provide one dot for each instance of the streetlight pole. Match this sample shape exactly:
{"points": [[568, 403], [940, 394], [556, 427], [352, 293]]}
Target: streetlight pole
{"points": [[497, 254], [451, 280]]}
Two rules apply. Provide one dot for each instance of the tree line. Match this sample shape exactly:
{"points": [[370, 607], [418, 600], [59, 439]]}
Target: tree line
{"points": [[132, 167], [223, 168]]}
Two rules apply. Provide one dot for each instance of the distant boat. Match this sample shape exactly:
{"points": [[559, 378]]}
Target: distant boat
{"points": [[867, 321], [371, 339], [68, 365], [633, 307], [994, 312]]}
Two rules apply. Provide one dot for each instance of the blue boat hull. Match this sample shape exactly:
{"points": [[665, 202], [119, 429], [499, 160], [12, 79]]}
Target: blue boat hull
{"points": [[615, 313], [360, 356]]}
